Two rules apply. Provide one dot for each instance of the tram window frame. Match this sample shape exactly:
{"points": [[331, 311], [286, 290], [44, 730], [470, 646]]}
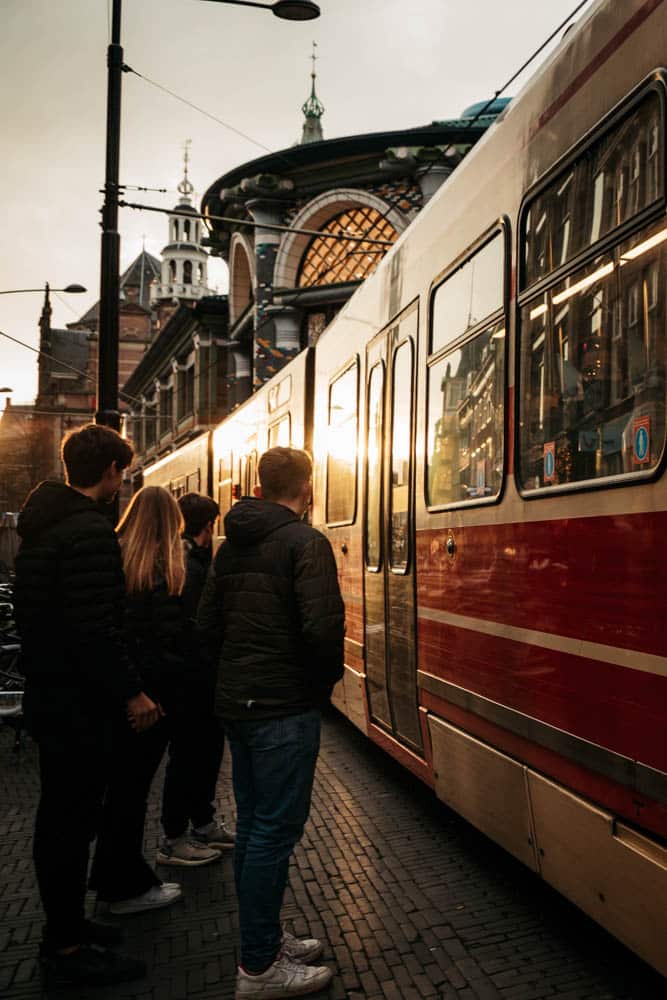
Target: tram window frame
{"points": [[541, 292], [376, 565], [500, 229], [349, 365], [403, 568], [275, 427], [225, 483]]}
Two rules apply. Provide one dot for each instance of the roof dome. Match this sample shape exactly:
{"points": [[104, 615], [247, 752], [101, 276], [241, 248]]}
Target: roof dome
{"points": [[495, 108]]}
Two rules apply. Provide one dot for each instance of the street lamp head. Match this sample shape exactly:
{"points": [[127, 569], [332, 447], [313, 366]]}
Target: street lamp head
{"points": [[296, 10], [74, 288]]}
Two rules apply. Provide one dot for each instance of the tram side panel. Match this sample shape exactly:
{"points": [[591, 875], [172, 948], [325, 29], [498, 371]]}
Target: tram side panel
{"points": [[540, 588], [185, 470], [279, 413]]}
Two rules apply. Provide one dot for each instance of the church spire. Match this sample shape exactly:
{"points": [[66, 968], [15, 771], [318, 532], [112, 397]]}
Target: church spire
{"points": [[185, 187], [313, 110]]}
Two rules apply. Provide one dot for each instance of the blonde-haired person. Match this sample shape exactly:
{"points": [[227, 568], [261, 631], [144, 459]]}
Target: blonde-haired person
{"points": [[159, 637]]}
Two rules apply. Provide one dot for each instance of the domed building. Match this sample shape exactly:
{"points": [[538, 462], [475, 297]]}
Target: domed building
{"points": [[301, 228]]}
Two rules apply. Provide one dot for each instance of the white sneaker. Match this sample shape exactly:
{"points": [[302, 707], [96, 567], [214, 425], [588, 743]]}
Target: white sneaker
{"points": [[282, 979], [302, 950], [153, 899], [185, 853]]}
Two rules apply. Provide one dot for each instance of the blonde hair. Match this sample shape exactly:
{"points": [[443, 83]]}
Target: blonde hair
{"points": [[150, 538]]}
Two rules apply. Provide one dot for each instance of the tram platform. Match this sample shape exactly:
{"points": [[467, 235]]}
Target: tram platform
{"points": [[409, 899]]}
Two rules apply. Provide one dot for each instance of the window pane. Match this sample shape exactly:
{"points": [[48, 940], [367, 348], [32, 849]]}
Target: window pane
{"points": [[465, 440], [400, 456], [593, 369], [342, 448], [616, 178], [471, 294], [374, 469], [280, 433]]}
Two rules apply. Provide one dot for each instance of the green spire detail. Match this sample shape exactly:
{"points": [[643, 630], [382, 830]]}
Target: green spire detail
{"points": [[313, 109]]}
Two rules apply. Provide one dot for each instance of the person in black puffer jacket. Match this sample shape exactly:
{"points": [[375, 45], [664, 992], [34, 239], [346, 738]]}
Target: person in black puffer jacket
{"points": [[159, 635], [69, 602], [272, 616]]}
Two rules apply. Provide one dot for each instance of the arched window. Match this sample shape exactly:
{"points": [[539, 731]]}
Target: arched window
{"points": [[172, 270], [187, 272], [330, 262], [200, 274], [186, 229]]}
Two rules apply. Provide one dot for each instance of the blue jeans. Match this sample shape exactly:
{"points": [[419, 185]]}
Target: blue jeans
{"points": [[273, 767]]}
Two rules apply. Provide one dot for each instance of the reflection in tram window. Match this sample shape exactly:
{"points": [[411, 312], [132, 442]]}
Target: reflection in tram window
{"points": [[374, 469], [617, 177], [401, 439], [342, 447], [469, 295], [466, 421], [592, 392]]}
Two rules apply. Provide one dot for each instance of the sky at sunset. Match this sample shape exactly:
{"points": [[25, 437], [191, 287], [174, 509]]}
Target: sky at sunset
{"points": [[383, 64]]}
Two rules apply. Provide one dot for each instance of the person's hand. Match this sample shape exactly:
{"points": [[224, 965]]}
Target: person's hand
{"points": [[142, 712]]}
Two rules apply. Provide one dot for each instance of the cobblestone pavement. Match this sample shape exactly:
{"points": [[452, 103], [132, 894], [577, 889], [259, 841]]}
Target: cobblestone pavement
{"points": [[410, 901]]}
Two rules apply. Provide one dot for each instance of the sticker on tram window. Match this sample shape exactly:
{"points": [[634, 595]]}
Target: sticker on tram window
{"points": [[550, 462], [641, 440]]}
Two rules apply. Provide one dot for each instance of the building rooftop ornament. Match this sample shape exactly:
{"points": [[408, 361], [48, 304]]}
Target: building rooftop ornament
{"points": [[313, 110], [186, 188]]}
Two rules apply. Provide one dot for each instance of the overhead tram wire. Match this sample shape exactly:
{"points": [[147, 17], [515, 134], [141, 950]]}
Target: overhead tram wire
{"points": [[63, 364], [257, 225], [207, 114]]}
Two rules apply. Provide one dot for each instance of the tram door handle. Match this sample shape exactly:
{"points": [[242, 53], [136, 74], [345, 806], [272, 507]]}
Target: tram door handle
{"points": [[343, 548], [450, 545]]}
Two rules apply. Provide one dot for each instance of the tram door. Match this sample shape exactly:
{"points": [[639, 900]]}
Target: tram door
{"points": [[389, 556]]}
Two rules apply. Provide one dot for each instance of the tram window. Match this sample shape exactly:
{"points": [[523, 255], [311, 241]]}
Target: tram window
{"points": [[250, 473], [469, 294], [177, 487], [592, 356], [280, 433], [618, 175], [193, 484], [342, 447], [401, 439], [374, 469], [280, 394], [225, 483], [465, 434]]}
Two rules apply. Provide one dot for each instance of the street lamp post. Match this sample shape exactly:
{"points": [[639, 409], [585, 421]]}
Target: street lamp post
{"points": [[107, 371]]}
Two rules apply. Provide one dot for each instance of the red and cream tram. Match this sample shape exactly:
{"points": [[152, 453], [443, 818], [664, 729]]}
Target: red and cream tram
{"points": [[488, 426]]}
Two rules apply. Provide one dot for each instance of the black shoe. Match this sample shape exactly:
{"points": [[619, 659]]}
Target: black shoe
{"points": [[102, 935], [88, 966]]}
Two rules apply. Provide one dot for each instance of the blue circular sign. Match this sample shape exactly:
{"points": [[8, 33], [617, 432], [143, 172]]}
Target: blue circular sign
{"points": [[549, 464], [641, 443]]}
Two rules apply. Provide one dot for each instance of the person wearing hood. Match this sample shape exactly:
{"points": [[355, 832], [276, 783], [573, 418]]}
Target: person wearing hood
{"points": [[69, 599], [272, 616], [196, 744]]}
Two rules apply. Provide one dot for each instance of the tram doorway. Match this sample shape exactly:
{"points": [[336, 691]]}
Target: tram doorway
{"points": [[389, 534]]}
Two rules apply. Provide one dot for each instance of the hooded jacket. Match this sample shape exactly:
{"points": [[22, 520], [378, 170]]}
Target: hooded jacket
{"points": [[69, 597], [272, 614]]}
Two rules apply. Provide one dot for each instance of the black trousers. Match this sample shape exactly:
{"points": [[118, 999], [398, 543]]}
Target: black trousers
{"points": [[73, 772], [120, 870], [195, 754]]}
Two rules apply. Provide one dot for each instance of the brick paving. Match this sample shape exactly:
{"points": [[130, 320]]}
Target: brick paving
{"points": [[410, 901]]}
